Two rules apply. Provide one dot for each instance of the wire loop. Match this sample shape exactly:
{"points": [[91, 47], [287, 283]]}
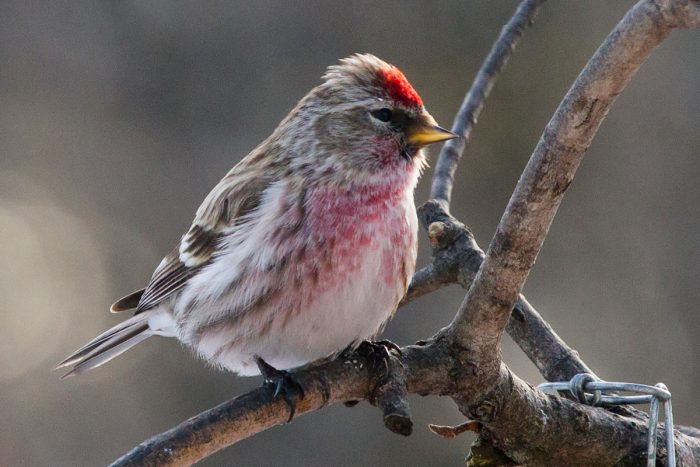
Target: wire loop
{"points": [[589, 390]]}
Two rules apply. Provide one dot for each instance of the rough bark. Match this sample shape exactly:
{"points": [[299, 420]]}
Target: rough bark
{"points": [[533, 427]]}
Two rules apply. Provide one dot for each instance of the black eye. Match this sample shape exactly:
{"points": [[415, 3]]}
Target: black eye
{"points": [[383, 115]]}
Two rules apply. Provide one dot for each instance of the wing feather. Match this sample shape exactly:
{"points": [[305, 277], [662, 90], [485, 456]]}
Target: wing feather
{"points": [[129, 302], [236, 195]]}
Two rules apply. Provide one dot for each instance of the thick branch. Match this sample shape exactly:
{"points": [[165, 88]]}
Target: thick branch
{"points": [[533, 428], [484, 313], [470, 109], [350, 378], [526, 416], [246, 415]]}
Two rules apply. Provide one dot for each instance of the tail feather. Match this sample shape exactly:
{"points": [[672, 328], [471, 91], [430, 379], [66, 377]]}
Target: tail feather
{"points": [[96, 345], [108, 334], [109, 344], [107, 354]]}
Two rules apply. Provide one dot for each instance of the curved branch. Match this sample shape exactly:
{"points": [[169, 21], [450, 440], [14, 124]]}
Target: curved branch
{"points": [[455, 261], [486, 308], [246, 415], [420, 370], [511, 407], [469, 111]]}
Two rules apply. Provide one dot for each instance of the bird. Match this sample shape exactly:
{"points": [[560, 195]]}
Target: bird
{"points": [[306, 246]]}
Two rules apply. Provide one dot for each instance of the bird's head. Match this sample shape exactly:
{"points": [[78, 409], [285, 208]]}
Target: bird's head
{"points": [[366, 117]]}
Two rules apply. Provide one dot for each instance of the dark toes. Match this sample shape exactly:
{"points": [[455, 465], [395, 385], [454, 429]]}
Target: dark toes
{"points": [[283, 383], [389, 345], [378, 353]]}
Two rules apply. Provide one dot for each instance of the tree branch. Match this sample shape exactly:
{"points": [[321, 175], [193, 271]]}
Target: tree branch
{"points": [[533, 428], [469, 111], [483, 315], [390, 395], [511, 407], [456, 257], [251, 413], [349, 378]]}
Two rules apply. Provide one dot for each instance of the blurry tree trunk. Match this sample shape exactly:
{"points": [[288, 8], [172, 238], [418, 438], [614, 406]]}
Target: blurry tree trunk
{"points": [[517, 424]]}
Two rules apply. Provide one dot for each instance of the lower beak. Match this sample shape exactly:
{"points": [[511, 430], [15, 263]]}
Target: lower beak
{"points": [[424, 135]]}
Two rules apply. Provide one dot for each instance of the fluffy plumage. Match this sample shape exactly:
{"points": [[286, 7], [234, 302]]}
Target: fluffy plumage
{"points": [[303, 248]]}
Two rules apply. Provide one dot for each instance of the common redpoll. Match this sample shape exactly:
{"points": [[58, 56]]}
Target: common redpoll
{"points": [[306, 246]]}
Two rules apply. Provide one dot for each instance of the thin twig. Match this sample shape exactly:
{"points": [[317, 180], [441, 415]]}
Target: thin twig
{"points": [[531, 329], [555, 360], [452, 151]]}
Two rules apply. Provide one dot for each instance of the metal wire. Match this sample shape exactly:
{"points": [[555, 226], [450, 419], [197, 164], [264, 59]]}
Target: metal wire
{"points": [[591, 391]]}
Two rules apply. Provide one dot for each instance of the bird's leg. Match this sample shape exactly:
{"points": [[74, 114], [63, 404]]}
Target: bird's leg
{"points": [[283, 383]]}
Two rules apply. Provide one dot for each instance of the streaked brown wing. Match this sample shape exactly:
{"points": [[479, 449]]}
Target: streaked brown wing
{"points": [[170, 276], [237, 194], [234, 196]]}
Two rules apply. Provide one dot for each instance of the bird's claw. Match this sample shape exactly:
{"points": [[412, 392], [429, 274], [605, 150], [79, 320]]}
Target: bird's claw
{"points": [[389, 346], [283, 383], [379, 352]]}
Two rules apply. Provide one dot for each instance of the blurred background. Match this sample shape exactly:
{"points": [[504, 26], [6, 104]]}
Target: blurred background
{"points": [[116, 119]]}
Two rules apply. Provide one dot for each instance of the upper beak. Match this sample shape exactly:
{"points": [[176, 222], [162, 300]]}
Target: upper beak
{"points": [[427, 134]]}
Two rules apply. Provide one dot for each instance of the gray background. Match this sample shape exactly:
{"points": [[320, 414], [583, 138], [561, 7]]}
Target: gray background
{"points": [[116, 118]]}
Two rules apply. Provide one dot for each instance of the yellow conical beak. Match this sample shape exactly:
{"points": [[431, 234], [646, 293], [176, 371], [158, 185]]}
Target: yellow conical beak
{"points": [[423, 135]]}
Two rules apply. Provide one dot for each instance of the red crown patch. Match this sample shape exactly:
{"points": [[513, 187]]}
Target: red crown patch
{"points": [[399, 88]]}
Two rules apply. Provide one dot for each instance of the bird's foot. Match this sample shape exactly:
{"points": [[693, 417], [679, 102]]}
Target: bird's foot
{"points": [[282, 383], [379, 353]]}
